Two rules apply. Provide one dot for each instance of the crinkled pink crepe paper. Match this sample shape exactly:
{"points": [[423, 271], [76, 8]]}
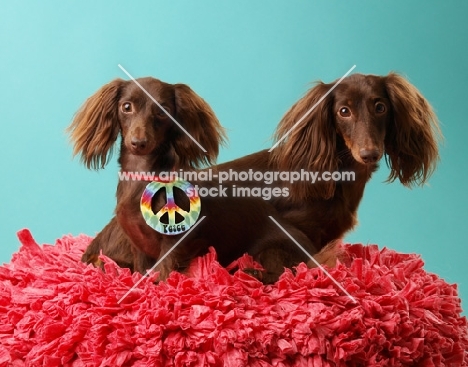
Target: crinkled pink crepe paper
{"points": [[56, 311]]}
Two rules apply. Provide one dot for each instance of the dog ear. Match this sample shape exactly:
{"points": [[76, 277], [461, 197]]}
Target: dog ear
{"points": [[411, 140], [199, 120], [95, 127], [310, 142]]}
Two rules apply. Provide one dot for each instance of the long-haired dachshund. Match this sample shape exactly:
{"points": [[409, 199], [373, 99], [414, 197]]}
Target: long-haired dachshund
{"points": [[363, 119], [151, 142]]}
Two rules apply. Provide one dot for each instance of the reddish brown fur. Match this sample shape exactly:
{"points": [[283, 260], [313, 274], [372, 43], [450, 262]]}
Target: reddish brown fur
{"points": [[361, 120]]}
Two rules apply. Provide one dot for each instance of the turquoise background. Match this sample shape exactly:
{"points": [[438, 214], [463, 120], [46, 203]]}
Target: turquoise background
{"points": [[251, 60]]}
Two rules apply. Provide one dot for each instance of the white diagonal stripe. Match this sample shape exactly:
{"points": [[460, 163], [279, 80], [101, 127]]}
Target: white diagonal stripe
{"points": [[313, 259], [160, 260], [162, 108], [311, 109]]}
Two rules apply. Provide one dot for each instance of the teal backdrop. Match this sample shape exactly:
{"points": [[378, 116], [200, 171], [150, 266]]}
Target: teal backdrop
{"points": [[250, 60]]}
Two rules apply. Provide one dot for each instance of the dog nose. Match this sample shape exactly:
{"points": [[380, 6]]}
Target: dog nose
{"points": [[139, 143], [369, 155]]}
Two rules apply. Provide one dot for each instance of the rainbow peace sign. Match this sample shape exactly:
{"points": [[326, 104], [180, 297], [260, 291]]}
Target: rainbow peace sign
{"points": [[154, 219]]}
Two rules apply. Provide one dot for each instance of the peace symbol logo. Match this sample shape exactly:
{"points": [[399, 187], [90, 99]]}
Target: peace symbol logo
{"points": [[172, 227]]}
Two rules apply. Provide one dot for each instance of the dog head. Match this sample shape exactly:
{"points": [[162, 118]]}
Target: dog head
{"points": [[148, 114], [365, 117]]}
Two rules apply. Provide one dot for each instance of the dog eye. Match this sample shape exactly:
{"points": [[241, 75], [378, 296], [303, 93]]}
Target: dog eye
{"points": [[344, 112], [380, 107], [127, 107]]}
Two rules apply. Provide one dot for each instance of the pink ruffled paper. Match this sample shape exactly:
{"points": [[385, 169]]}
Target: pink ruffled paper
{"points": [[56, 311]]}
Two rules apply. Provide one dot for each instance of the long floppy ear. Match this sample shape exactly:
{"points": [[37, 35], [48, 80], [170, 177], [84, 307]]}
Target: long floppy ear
{"points": [[411, 140], [310, 145], [199, 120], [95, 127]]}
